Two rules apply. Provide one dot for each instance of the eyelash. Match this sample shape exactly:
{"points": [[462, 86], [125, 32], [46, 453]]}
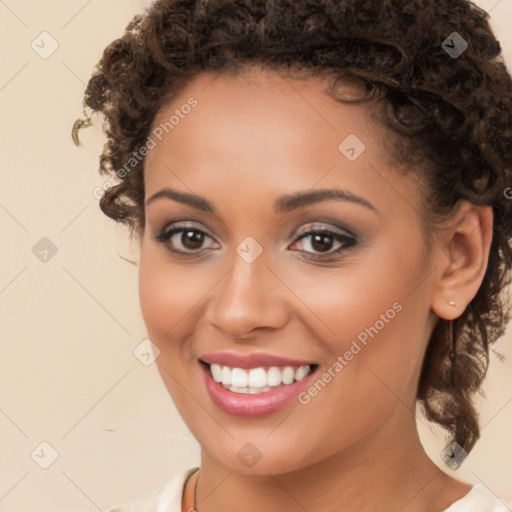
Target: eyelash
{"points": [[348, 241]]}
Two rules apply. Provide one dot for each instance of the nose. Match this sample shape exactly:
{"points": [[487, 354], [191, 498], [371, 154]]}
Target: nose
{"points": [[247, 300]]}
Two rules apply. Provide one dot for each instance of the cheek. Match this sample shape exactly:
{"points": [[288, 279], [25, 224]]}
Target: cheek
{"points": [[372, 358], [346, 300], [366, 315], [167, 294]]}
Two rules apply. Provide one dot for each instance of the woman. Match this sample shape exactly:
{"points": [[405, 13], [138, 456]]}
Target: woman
{"points": [[319, 190]]}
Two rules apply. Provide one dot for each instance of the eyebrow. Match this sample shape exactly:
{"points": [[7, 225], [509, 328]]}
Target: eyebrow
{"points": [[283, 204]]}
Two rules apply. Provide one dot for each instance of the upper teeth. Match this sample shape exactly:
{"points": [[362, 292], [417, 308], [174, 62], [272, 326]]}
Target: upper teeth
{"points": [[257, 377]]}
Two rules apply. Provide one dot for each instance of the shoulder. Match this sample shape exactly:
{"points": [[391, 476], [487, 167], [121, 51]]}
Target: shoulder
{"points": [[478, 499], [166, 498]]}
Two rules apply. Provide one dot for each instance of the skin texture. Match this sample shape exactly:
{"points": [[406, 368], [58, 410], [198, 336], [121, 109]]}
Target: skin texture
{"points": [[354, 446]]}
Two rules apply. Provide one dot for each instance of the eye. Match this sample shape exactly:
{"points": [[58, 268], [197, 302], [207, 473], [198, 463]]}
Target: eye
{"points": [[183, 239], [322, 240], [188, 240]]}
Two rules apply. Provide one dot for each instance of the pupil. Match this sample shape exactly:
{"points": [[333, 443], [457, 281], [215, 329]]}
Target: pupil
{"points": [[192, 239], [322, 242]]}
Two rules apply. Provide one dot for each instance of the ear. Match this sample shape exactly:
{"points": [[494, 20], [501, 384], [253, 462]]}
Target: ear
{"points": [[462, 259]]}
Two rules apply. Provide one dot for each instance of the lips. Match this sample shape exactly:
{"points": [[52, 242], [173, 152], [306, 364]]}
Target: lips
{"points": [[253, 405], [249, 361]]}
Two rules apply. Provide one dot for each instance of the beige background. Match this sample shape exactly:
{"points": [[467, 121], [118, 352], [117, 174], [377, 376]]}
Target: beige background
{"points": [[70, 325]]}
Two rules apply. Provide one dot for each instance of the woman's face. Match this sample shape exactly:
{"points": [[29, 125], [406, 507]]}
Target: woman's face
{"points": [[341, 282]]}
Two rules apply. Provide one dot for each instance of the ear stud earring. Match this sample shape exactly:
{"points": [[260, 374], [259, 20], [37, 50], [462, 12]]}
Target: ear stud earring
{"points": [[452, 303]]}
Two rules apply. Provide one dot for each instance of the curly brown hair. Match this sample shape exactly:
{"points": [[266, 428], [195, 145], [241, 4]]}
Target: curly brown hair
{"points": [[451, 116]]}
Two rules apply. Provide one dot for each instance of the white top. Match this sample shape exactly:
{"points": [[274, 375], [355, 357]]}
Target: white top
{"points": [[167, 498]]}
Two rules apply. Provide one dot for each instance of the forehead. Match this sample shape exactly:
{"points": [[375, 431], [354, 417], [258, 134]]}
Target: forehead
{"points": [[262, 101], [259, 132]]}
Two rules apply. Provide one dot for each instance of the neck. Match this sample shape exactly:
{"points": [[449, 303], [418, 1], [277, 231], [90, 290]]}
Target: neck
{"points": [[384, 470]]}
